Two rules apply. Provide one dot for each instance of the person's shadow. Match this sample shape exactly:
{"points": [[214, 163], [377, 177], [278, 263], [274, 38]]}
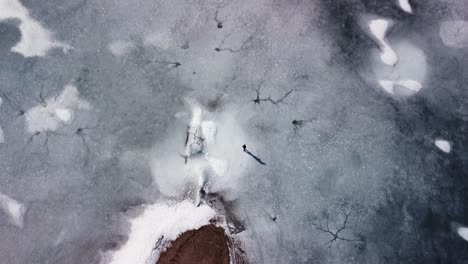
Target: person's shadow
{"points": [[252, 155]]}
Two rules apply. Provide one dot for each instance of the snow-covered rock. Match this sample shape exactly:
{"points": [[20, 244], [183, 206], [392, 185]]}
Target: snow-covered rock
{"points": [[157, 224]]}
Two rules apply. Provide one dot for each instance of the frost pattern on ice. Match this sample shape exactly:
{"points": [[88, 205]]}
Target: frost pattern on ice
{"points": [[14, 209], [35, 39], [56, 111], [160, 220]]}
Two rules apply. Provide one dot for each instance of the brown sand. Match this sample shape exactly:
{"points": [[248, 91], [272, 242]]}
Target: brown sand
{"points": [[207, 245]]}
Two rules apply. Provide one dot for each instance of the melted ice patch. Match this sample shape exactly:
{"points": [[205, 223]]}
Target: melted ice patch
{"points": [[378, 28], [443, 145], [35, 39], [14, 209], [454, 34], [405, 6], [56, 112], [159, 222]]}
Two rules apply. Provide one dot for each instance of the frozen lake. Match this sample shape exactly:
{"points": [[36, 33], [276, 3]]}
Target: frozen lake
{"points": [[120, 120]]}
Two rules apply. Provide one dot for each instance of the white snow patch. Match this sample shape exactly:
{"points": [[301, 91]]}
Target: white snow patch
{"points": [[65, 115], [401, 87], [35, 39], [454, 34], [443, 145], [209, 131], [119, 48], [463, 232], [14, 209], [387, 85], [159, 220], [405, 5], [56, 112], [378, 28]]}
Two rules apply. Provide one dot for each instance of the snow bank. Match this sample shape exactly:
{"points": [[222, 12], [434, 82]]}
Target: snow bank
{"points": [[14, 209], [35, 39], [56, 111], [443, 145], [159, 222]]}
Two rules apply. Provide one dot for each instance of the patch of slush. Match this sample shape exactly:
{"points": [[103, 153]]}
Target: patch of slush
{"points": [[443, 145], [158, 223], [55, 112], [378, 29], [405, 6], [454, 34], [119, 48], [35, 39], [14, 209]]}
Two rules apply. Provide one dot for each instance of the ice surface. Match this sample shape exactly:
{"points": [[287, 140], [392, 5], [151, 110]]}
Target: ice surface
{"points": [[14, 209], [109, 123], [35, 39], [454, 34], [119, 48], [443, 145], [159, 222], [406, 78]]}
